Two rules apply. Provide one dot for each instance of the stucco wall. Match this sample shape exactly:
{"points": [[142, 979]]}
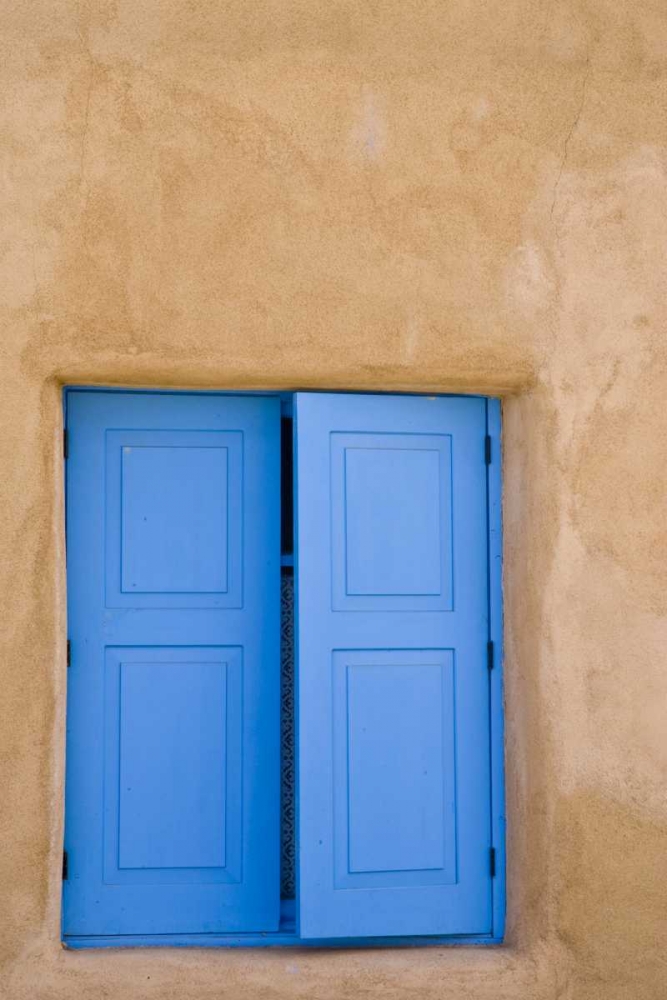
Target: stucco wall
{"points": [[408, 194]]}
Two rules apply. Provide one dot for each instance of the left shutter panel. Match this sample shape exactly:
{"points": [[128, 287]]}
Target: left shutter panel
{"points": [[172, 785]]}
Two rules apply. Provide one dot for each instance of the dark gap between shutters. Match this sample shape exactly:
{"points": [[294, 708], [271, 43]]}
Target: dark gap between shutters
{"points": [[287, 755]]}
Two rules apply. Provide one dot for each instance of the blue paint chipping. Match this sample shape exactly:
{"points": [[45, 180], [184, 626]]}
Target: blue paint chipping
{"points": [[173, 781]]}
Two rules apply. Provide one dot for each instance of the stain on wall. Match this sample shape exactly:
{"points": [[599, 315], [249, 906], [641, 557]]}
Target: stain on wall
{"points": [[391, 195]]}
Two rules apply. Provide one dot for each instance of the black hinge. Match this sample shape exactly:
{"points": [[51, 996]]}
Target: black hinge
{"points": [[65, 443], [69, 653], [492, 861], [487, 449], [65, 866], [490, 655]]}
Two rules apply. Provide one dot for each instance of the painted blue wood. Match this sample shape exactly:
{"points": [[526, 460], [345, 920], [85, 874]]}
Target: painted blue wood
{"points": [[219, 597], [279, 939], [195, 561], [494, 479], [399, 777], [172, 787], [384, 559], [394, 748], [173, 747]]}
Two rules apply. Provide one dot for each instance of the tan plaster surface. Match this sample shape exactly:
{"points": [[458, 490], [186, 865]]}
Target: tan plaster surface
{"points": [[392, 194]]}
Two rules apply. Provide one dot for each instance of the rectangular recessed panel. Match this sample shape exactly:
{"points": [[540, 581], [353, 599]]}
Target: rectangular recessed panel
{"points": [[174, 517], [173, 764], [173, 760], [394, 753], [391, 514], [395, 779]]}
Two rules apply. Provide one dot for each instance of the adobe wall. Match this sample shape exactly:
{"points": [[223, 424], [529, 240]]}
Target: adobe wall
{"points": [[386, 195]]}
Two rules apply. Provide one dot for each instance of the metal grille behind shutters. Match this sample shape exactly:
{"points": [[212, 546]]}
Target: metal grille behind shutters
{"points": [[287, 858]]}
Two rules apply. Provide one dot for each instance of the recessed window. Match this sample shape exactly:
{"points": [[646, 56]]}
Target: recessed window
{"points": [[283, 695]]}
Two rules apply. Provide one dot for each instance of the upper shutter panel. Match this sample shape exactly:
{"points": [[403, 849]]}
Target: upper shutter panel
{"points": [[172, 811], [393, 700]]}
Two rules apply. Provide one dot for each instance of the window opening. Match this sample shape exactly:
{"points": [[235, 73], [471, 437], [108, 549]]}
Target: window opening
{"points": [[317, 414]]}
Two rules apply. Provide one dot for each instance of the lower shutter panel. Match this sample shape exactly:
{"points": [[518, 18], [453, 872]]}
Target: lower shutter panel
{"points": [[393, 703]]}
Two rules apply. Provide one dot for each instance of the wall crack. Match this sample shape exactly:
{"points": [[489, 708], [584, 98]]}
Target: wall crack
{"points": [[573, 129]]}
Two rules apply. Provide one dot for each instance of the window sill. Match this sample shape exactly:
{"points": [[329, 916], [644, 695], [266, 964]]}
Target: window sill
{"points": [[277, 939]]}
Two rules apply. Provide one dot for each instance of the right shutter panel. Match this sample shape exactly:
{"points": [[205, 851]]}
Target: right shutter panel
{"points": [[393, 697]]}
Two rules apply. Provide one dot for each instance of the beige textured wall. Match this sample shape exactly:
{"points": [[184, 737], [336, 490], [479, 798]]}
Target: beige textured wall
{"points": [[422, 194]]}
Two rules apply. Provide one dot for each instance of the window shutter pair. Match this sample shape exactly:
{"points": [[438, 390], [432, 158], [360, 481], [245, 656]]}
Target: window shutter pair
{"points": [[173, 797]]}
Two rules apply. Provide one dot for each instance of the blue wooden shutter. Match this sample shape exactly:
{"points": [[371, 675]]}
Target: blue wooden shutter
{"points": [[172, 801], [393, 689]]}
